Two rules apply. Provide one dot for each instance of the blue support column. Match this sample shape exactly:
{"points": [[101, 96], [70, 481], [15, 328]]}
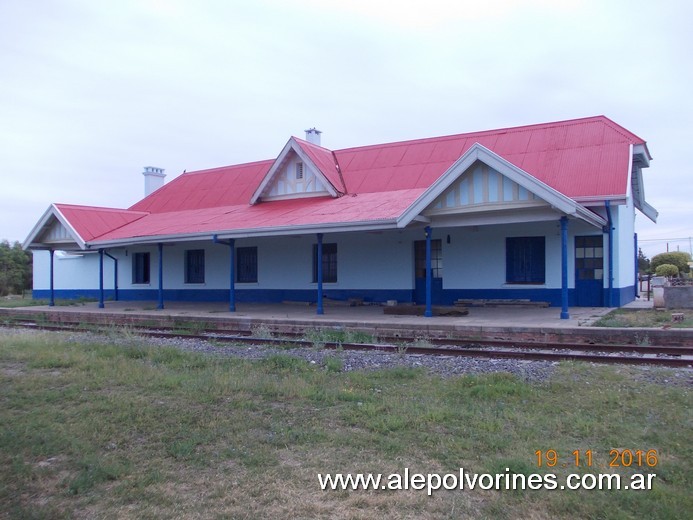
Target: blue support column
{"points": [[51, 301], [232, 276], [318, 260], [564, 269], [101, 305], [637, 277], [610, 231], [429, 275], [161, 276]]}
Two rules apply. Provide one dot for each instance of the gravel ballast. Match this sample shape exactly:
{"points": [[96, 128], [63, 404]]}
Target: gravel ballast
{"points": [[352, 360]]}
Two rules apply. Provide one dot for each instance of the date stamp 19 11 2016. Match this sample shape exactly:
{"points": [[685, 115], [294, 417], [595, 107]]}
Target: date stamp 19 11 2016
{"points": [[627, 458]]}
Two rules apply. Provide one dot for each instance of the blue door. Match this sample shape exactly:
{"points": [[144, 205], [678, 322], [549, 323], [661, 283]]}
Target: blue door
{"points": [[589, 271], [436, 271]]}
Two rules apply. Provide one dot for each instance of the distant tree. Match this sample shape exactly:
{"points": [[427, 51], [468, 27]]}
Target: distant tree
{"points": [[668, 270], [15, 268], [643, 263], [677, 258]]}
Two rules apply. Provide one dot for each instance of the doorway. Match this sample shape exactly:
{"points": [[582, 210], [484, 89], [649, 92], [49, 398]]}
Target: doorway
{"points": [[436, 271], [589, 271]]}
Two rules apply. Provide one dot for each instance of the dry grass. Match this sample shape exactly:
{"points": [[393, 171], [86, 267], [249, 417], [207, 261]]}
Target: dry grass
{"points": [[104, 431]]}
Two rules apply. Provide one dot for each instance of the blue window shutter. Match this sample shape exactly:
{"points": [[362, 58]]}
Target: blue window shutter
{"points": [[525, 260]]}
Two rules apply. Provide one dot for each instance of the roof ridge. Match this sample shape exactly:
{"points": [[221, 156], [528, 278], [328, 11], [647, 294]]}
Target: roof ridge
{"points": [[98, 208], [216, 168], [339, 172], [522, 128]]}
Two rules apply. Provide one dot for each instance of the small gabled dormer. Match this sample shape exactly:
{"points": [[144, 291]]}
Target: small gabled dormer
{"points": [[302, 169], [293, 179]]}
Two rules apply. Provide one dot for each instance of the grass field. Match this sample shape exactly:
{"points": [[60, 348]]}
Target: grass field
{"points": [[646, 318], [106, 431]]}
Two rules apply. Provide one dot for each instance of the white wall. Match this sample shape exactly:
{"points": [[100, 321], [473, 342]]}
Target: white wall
{"points": [[71, 271], [364, 261], [624, 244], [475, 257]]}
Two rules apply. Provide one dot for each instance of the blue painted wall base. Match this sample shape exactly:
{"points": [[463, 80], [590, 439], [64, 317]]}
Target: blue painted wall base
{"points": [[620, 296]]}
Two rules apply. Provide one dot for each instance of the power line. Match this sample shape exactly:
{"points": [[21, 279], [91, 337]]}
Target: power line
{"points": [[664, 239]]}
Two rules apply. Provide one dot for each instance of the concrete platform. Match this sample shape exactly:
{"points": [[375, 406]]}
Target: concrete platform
{"points": [[512, 323], [506, 316]]}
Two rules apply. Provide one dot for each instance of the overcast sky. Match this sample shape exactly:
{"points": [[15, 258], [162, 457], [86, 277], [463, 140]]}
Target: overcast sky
{"points": [[91, 91]]}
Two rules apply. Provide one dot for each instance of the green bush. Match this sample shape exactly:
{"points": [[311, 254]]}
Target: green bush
{"points": [[668, 270], [677, 258]]}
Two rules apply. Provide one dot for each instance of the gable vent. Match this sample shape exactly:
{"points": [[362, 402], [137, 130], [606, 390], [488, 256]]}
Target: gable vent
{"points": [[299, 171]]}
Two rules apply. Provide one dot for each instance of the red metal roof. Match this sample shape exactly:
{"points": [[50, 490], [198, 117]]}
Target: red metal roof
{"points": [[579, 158], [91, 222], [225, 186], [368, 207]]}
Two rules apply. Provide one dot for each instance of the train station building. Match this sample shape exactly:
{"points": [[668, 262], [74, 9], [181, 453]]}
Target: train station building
{"points": [[542, 213]]}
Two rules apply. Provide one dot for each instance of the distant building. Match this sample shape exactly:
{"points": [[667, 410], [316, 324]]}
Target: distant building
{"points": [[543, 212]]}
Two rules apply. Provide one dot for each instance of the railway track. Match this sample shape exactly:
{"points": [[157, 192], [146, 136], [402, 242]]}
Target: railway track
{"points": [[670, 356]]}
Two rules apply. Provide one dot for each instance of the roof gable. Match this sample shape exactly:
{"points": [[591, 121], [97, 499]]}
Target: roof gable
{"points": [[482, 188], [479, 153], [66, 226], [320, 174], [295, 179]]}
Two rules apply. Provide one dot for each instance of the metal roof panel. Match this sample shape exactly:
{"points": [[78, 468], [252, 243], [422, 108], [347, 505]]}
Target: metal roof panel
{"points": [[579, 158]]}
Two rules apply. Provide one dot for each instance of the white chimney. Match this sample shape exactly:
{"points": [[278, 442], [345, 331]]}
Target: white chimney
{"points": [[153, 179], [313, 136]]}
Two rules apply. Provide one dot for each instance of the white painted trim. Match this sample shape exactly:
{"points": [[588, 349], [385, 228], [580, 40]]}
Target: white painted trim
{"points": [[483, 207], [524, 215], [290, 196], [616, 200], [649, 212], [642, 151], [554, 198], [276, 165], [53, 211], [629, 185], [639, 198]]}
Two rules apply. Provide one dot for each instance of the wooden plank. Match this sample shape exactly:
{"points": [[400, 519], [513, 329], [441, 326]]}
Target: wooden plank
{"points": [[418, 310]]}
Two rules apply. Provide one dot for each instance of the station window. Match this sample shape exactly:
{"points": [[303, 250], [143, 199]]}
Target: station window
{"points": [[140, 268], [589, 257], [246, 265], [436, 258], [525, 260], [195, 266], [329, 263]]}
